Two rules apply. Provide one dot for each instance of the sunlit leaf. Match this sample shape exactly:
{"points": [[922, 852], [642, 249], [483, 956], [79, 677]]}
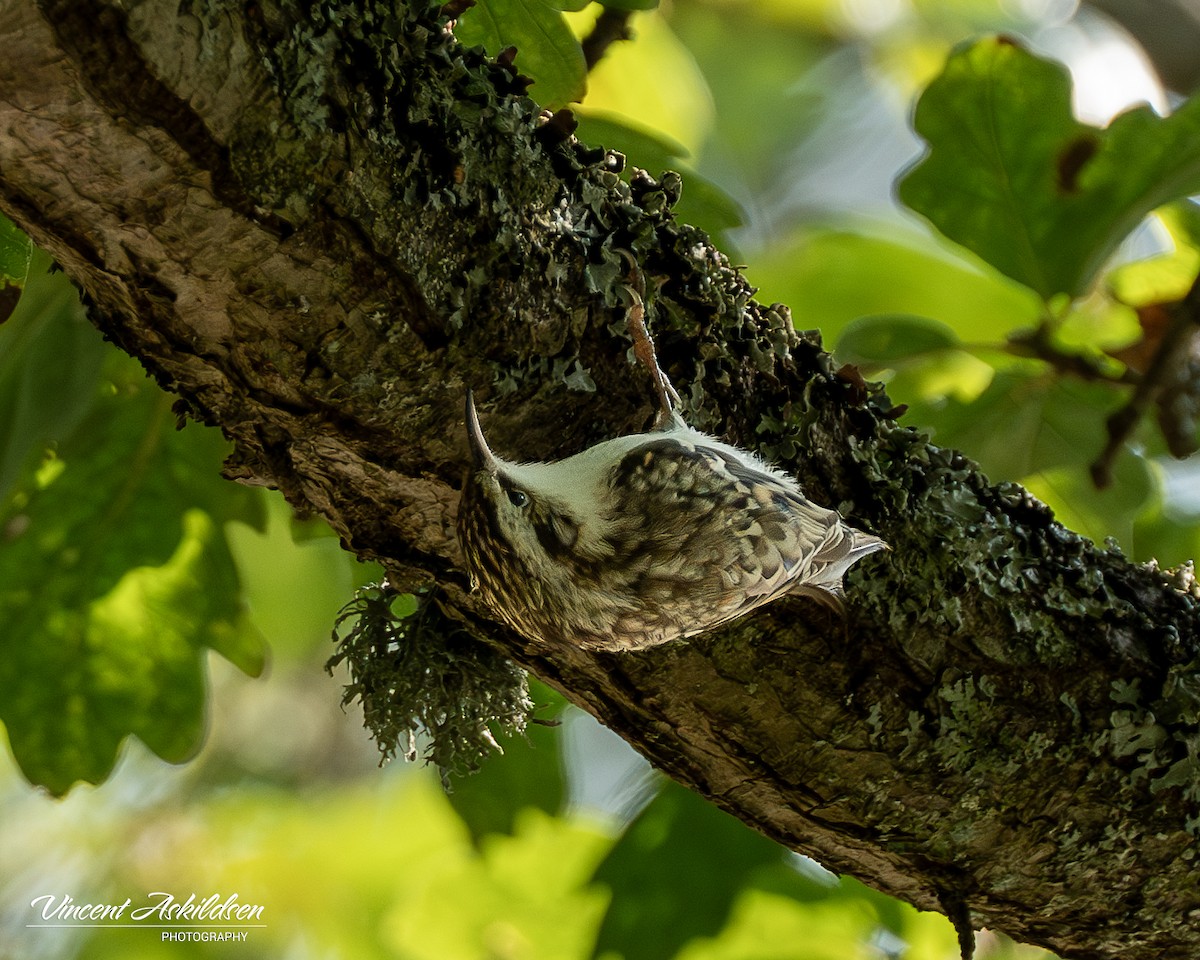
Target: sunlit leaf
{"points": [[955, 374], [116, 579], [528, 889], [917, 357], [547, 50], [1097, 324], [1013, 176], [651, 82], [50, 359], [831, 277], [1164, 278]]}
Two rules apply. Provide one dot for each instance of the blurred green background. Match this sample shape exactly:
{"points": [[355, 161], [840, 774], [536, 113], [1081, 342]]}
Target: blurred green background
{"points": [[141, 594]]}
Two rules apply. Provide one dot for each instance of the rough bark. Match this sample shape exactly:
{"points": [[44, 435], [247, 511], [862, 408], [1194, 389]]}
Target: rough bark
{"points": [[317, 223]]}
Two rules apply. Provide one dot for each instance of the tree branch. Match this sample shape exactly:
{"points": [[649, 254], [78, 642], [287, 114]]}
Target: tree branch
{"points": [[318, 226]]}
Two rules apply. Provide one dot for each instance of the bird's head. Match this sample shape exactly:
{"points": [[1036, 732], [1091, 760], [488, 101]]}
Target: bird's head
{"points": [[515, 516]]}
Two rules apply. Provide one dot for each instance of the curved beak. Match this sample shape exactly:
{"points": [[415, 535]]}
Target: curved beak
{"points": [[481, 455]]}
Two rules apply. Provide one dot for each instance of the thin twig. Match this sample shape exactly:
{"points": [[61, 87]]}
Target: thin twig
{"points": [[1037, 344], [610, 26], [1162, 375]]}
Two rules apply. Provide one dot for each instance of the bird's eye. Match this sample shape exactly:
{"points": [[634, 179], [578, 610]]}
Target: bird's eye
{"points": [[518, 498]]}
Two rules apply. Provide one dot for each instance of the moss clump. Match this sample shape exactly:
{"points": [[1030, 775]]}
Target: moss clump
{"points": [[415, 670]]}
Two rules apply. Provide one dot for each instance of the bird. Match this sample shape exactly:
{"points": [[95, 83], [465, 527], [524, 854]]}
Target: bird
{"points": [[645, 538]]}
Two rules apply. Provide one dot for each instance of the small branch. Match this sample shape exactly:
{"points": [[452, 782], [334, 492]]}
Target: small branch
{"points": [[1164, 376], [611, 26], [1037, 344]]}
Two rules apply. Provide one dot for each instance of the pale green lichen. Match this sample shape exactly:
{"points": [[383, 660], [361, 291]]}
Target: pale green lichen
{"points": [[417, 672]]}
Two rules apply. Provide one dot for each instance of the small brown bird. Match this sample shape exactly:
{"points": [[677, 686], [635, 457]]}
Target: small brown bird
{"points": [[645, 538]]}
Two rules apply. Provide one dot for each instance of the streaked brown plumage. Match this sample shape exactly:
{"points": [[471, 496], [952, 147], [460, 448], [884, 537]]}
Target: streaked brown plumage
{"points": [[645, 539]]}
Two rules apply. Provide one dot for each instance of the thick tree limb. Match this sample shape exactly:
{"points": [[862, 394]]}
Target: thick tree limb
{"points": [[317, 223]]}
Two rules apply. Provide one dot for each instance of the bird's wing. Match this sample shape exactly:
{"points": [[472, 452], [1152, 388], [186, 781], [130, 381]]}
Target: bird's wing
{"points": [[704, 537], [812, 546]]}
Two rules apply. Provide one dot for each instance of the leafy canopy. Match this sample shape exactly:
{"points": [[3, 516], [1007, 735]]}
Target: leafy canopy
{"points": [[1012, 176]]}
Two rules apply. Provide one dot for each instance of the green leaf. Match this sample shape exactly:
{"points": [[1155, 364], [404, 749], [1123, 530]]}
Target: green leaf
{"points": [[702, 203], [295, 585], [116, 577], [920, 359], [653, 82], [630, 5], [1013, 176], [50, 360], [15, 252], [547, 50], [656, 149], [16, 249], [883, 340], [1167, 277], [1045, 431], [675, 875], [831, 277], [528, 774]]}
